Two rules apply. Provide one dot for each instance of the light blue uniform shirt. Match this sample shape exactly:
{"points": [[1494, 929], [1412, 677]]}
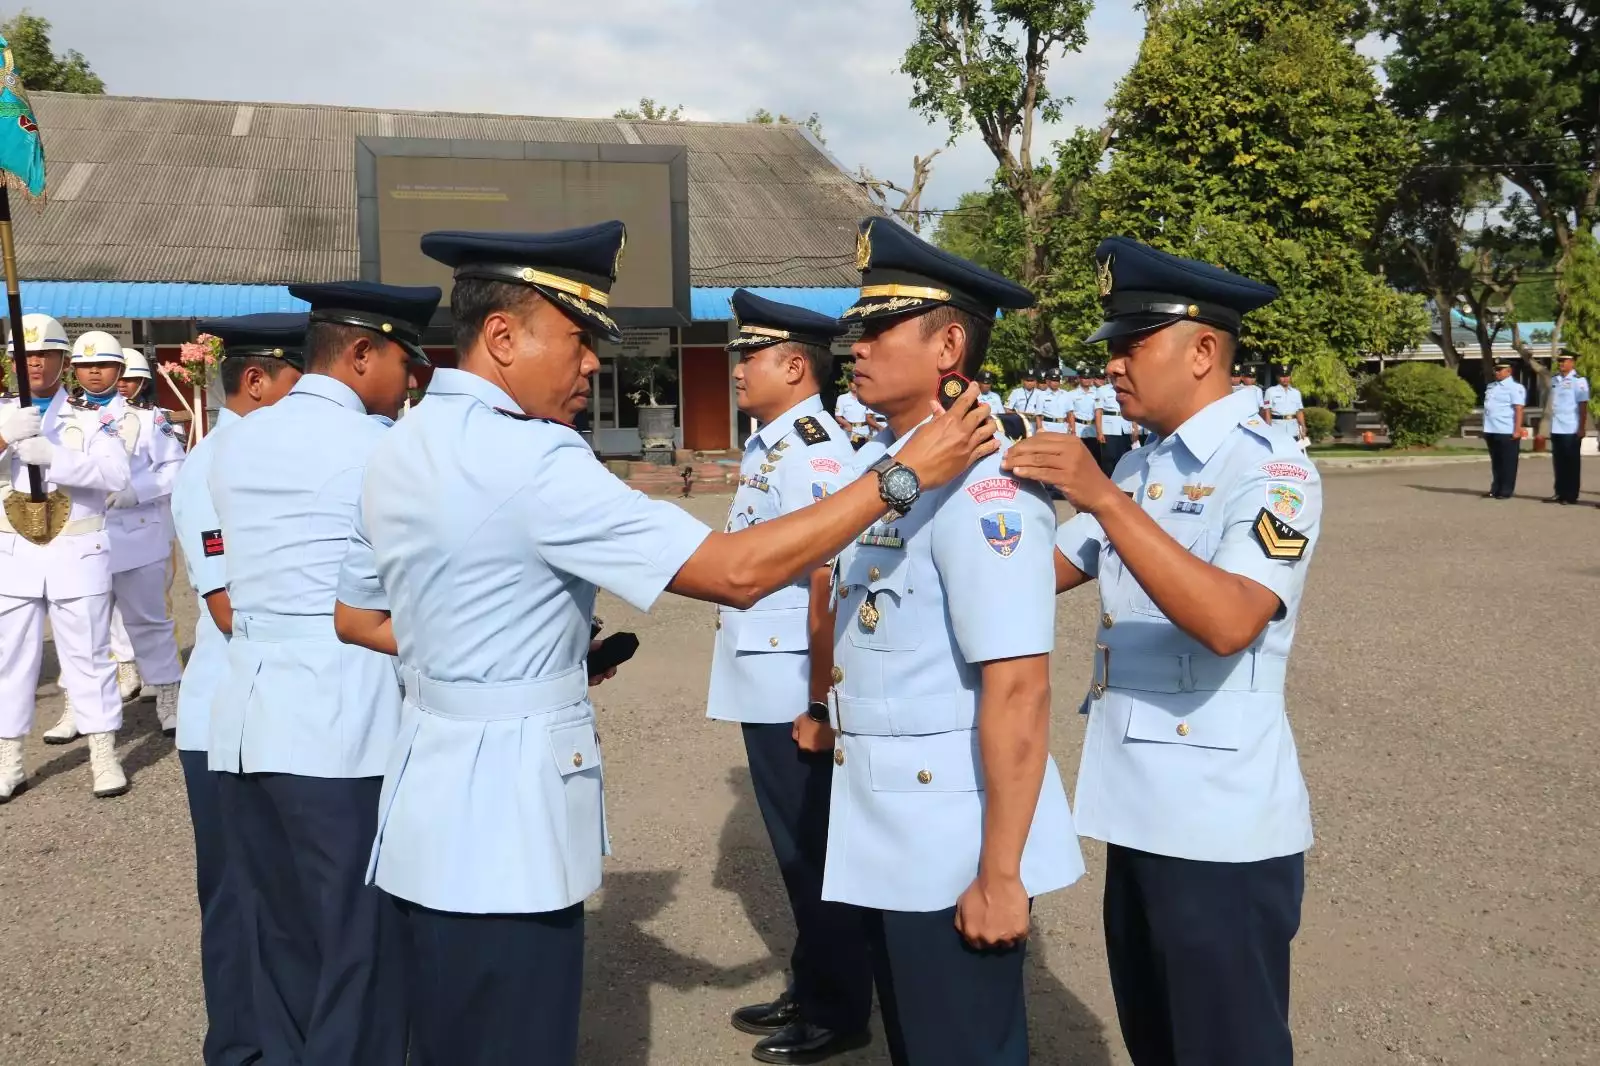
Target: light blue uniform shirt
{"points": [[1084, 402], [1571, 390], [200, 536], [760, 666], [1053, 405], [1499, 399], [486, 536], [1112, 424], [1284, 402], [1019, 398], [853, 411], [906, 822], [991, 400], [1188, 754], [285, 483]]}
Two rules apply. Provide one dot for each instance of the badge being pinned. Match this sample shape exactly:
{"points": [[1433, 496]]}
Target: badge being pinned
{"points": [[1003, 531]]}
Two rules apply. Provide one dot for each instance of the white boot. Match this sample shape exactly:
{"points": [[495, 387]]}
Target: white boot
{"points": [[128, 683], [109, 780], [13, 778], [167, 708], [66, 730]]}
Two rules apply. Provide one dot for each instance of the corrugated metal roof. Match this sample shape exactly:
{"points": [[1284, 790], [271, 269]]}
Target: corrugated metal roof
{"points": [[185, 191]]}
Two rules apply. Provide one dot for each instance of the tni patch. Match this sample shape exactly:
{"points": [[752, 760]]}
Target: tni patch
{"points": [[1003, 531], [211, 543], [810, 430], [1278, 539]]}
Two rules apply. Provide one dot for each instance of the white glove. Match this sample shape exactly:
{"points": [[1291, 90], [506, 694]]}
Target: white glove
{"points": [[20, 423], [123, 498], [35, 451]]}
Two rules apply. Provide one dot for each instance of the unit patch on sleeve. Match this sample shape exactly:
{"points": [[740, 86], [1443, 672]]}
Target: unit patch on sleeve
{"points": [[1278, 539], [810, 430], [211, 543]]}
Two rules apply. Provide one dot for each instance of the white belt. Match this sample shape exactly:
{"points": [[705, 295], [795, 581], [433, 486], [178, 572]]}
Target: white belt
{"points": [[1143, 672], [75, 528], [496, 701]]}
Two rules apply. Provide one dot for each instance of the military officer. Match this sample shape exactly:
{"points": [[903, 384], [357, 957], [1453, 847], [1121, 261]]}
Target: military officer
{"points": [[262, 357], [773, 660], [1086, 410], [948, 814], [1200, 544], [67, 576], [1114, 430], [139, 525], [852, 416], [1283, 405], [1568, 423], [1023, 394], [986, 394], [1247, 383], [301, 724], [1053, 407], [1503, 404]]}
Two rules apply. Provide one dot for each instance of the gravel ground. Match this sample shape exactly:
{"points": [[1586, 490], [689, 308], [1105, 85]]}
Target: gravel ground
{"points": [[1440, 700]]}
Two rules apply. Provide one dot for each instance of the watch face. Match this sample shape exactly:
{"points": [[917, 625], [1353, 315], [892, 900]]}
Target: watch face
{"points": [[900, 483]]}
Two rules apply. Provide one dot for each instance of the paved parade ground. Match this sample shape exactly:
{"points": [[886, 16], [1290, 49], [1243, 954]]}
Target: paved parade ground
{"points": [[1443, 695]]}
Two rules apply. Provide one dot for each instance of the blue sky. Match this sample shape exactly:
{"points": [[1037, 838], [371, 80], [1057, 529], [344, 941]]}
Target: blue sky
{"points": [[721, 59]]}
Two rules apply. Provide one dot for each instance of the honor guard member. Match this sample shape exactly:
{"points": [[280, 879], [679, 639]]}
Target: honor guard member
{"points": [[1053, 406], [986, 394], [852, 416], [1503, 404], [948, 815], [261, 361], [139, 526], [302, 724], [1568, 423], [486, 528], [1247, 383], [773, 660], [1189, 774], [1283, 405], [1085, 410], [137, 384], [1115, 431], [68, 575]]}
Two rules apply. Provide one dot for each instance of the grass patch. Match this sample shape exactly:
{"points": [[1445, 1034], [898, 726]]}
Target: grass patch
{"points": [[1375, 451]]}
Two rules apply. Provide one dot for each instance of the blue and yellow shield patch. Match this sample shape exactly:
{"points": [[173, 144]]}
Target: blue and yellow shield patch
{"points": [[1003, 531]]}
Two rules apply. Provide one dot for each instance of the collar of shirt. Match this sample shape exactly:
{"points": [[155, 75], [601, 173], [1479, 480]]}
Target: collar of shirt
{"points": [[448, 382], [224, 416], [325, 388], [1208, 427], [780, 427]]}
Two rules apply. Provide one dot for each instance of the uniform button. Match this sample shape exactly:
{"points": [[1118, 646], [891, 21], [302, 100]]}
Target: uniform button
{"points": [[838, 675], [1105, 620], [1183, 729], [874, 573], [749, 510], [577, 758], [838, 756], [1098, 689], [923, 777], [773, 641]]}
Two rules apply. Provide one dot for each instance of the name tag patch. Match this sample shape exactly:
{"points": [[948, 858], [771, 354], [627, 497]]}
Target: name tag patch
{"points": [[993, 488], [1277, 538], [211, 543]]}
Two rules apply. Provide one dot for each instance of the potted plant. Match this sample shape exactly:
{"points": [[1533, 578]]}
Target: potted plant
{"points": [[650, 379]]}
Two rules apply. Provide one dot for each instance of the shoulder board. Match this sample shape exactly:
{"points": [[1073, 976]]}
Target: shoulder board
{"points": [[520, 417], [810, 429], [1254, 424], [80, 403]]}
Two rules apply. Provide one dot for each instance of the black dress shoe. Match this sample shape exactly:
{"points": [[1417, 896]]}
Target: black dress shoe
{"points": [[800, 1042], [761, 1019]]}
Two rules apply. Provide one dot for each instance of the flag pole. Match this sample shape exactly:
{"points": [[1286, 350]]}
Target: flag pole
{"points": [[19, 358]]}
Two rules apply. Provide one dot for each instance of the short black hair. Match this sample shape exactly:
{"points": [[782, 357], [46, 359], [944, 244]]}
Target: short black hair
{"points": [[475, 299], [233, 368], [977, 330], [819, 360], [325, 340]]}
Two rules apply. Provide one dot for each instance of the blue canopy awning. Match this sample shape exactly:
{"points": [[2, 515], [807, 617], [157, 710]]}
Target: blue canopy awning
{"points": [[712, 305]]}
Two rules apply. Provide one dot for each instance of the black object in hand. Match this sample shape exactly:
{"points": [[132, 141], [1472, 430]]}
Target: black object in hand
{"points": [[951, 386], [615, 650]]}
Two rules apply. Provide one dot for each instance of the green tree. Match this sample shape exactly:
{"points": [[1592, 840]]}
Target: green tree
{"points": [[37, 63], [1251, 134], [985, 227], [1583, 311], [649, 111], [812, 122]]}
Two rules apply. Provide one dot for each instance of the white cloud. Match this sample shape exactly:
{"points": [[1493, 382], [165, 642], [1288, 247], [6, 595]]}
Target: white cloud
{"points": [[721, 59]]}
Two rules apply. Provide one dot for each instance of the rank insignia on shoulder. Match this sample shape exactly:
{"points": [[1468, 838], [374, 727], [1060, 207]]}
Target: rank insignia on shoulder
{"points": [[810, 429], [520, 417], [1278, 539]]}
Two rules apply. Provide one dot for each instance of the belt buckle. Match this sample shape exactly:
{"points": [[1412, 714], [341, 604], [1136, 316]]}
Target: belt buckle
{"points": [[1099, 687]]}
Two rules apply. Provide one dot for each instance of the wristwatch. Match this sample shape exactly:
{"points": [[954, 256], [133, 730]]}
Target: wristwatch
{"points": [[817, 711], [898, 486]]}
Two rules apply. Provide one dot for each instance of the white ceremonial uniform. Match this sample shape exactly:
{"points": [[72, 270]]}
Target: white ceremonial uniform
{"points": [[1084, 403], [1112, 424], [1053, 406], [487, 535], [906, 823], [1284, 402], [853, 411], [1188, 754], [1258, 399], [70, 577], [199, 533], [759, 666], [286, 483]]}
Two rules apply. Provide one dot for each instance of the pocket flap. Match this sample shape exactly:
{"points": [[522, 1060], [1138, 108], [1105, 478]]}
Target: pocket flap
{"points": [[575, 748], [879, 570], [942, 762], [769, 631], [1212, 725]]}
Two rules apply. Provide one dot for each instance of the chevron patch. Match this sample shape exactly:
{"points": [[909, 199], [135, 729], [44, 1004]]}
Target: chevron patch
{"points": [[1278, 539]]}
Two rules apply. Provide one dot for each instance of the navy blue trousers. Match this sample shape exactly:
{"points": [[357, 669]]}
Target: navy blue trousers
{"points": [[1111, 452], [329, 984], [492, 989], [226, 965], [832, 970], [945, 1003], [1199, 956]]}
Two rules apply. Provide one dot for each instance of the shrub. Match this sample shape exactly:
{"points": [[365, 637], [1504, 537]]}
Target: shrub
{"points": [[1319, 424], [1422, 402]]}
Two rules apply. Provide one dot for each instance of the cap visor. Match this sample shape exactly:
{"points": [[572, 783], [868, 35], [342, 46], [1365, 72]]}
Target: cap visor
{"points": [[416, 355], [1128, 326]]}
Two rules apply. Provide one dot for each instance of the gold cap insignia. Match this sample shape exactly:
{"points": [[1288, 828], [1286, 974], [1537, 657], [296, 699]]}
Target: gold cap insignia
{"points": [[527, 274], [88, 349], [1105, 277], [387, 328], [1194, 309], [31, 334], [616, 264], [864, 247]]}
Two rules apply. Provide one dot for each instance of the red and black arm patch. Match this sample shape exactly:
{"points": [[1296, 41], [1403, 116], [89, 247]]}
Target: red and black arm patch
{"points": [[211, 543], [1278, 539]]}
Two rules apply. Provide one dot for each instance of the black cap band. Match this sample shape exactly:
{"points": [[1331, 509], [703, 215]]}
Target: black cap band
{"points": [[396, 328]]}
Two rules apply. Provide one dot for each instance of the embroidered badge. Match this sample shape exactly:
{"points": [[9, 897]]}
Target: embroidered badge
{"points": [[826, 466], [1003, 531], [211, 543], [1286, 470], [819, 491], [1286, 501], [993, 488], [1277, 538], [810, 430]]}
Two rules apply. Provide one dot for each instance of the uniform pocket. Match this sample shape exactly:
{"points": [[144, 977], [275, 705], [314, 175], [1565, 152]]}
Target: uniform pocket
{"points": [[576, 751], [876, 604], [942, 762], [1196, 538], [1214, 725], [769, 631], [575, 748]]}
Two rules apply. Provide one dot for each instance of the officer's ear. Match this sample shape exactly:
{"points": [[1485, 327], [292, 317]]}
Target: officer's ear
{"points": [[953, 349], [1208, 349]]}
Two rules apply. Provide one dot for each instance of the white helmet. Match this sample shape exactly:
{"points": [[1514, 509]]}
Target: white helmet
{"points": [[96, 347], [136, 365], [41, 333]]}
